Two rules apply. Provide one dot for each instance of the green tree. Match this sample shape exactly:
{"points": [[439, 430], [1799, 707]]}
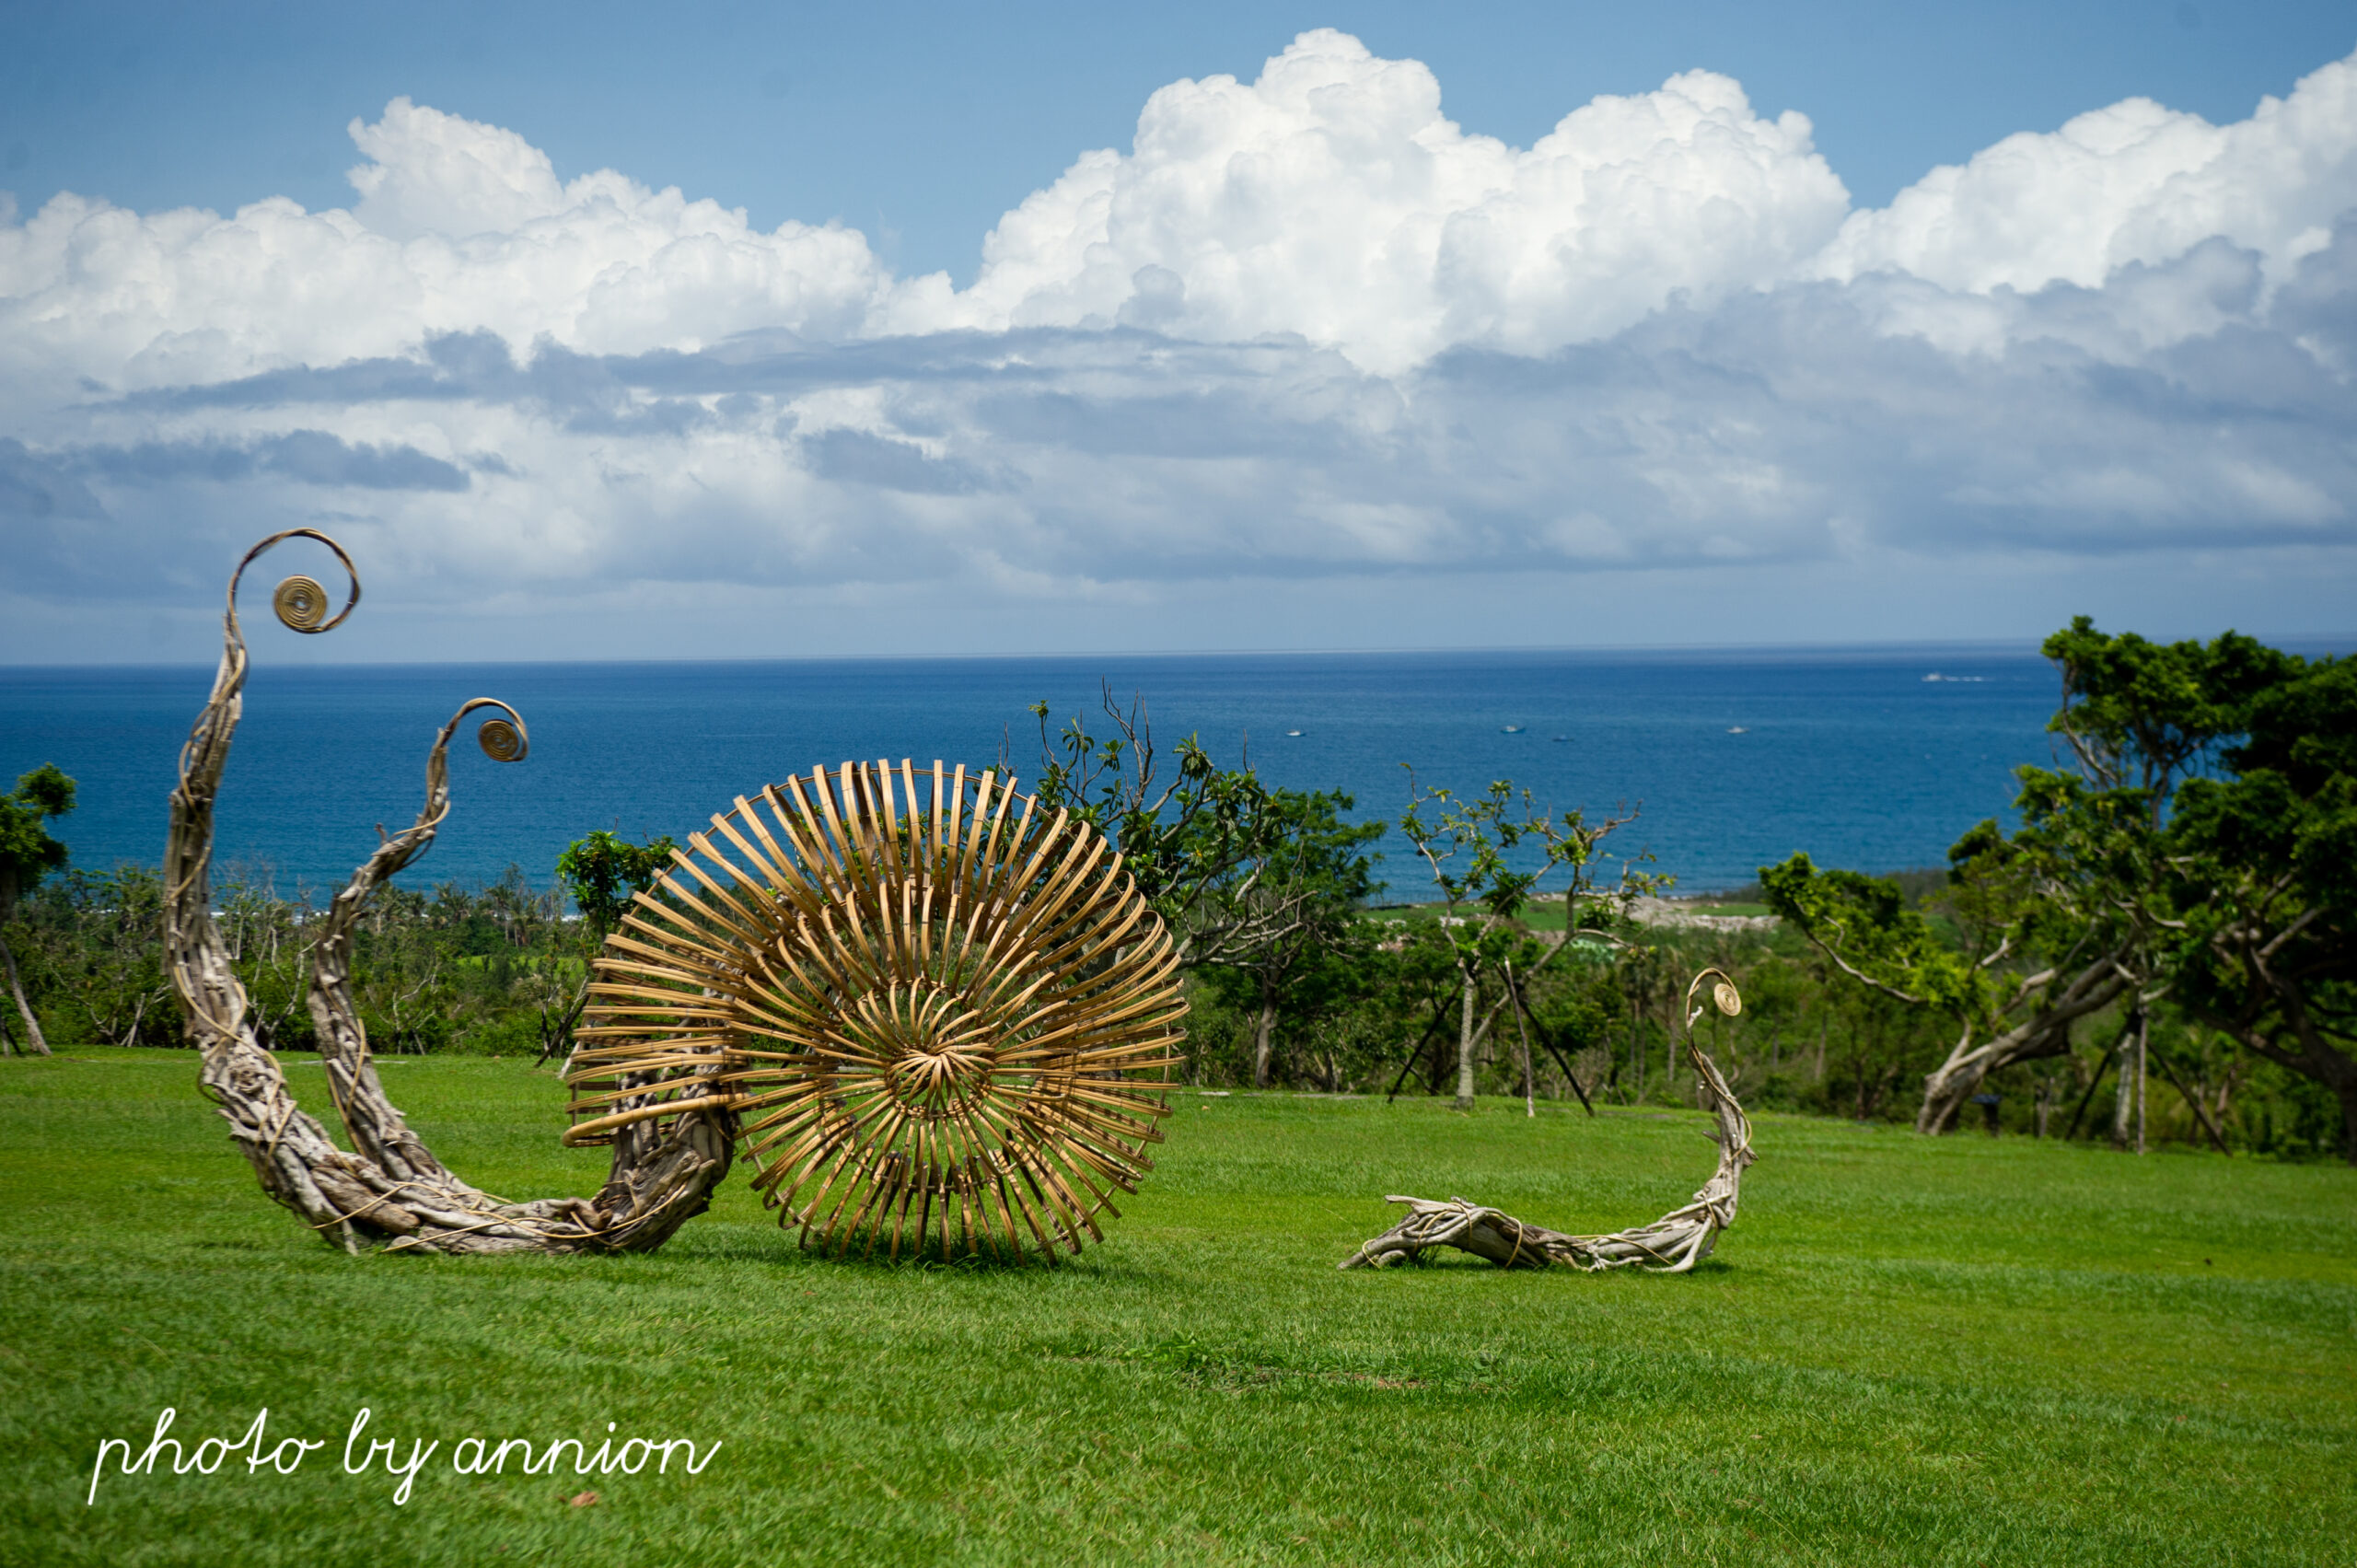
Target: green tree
{"points": [[1207, 845], [1574, 1020], [28, 853], [2263, 865], [1293, 898], [1423, 982], [1246, 878], [100, 940], [601, 874]]}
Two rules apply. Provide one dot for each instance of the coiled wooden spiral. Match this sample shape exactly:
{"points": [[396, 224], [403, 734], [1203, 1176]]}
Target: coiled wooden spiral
{"points": [[502, 741], [301, 603]]}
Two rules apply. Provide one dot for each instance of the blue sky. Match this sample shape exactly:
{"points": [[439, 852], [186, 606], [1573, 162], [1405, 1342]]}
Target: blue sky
{"points": [[921, 123], [785, 330]]}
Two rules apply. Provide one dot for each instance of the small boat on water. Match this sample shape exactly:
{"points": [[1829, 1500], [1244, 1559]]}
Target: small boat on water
{"points": [[1292, 734], [1737, 729], [1512, 729]]}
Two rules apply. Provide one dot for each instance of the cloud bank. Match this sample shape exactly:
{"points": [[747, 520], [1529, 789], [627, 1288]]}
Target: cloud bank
{"points": [[1305, 336]]}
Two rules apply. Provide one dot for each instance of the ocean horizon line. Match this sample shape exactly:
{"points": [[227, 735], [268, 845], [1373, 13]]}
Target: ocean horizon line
{"points": [[2305, 643]]}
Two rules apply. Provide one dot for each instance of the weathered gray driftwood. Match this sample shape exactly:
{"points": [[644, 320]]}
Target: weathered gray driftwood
{"points": [[389, 1188], [1672, 1244]]}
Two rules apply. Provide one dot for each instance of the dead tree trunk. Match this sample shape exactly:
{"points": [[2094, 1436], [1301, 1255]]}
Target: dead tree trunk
{"points": [[1672, 1244], [390, 1188]]}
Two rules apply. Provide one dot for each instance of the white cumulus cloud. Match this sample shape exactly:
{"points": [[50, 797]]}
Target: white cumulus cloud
{"points": [[1332, 198], [1329, 199], [2132, 183], [459, 227]]}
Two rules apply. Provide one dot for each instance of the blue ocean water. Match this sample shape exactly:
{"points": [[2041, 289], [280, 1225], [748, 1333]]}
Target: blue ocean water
{"points": [[1736, 757]]}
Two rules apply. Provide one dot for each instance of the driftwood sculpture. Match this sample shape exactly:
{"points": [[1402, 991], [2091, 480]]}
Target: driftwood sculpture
{"points": [[946, 1023], [1672, 1244], [388, 1189]]}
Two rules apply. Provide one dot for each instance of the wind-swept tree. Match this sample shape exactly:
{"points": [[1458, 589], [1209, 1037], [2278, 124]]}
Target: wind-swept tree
{"points": [[99, 937], [2060, 918], [28, 853], [1311, 871], [1247, 878]]}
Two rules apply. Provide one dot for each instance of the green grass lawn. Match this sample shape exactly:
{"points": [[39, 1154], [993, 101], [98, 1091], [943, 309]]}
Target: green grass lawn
{"points": [[1907, 1352]]}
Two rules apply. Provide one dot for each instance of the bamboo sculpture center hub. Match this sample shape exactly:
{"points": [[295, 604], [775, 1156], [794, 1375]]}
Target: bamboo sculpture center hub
{"points": [[944, 1018], [936, 1056]]}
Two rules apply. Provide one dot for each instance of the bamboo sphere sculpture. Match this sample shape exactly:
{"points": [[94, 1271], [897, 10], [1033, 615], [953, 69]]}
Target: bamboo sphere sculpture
{"points": [[946, 1021]]}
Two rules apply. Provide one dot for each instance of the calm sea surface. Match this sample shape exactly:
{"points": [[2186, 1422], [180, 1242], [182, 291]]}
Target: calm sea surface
{"points": [[1737, 759]]}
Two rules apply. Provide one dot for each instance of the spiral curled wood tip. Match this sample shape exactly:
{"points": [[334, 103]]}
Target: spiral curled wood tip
{"points": [[502, 741], [947, 1018], [301, 603], [388, 1189]]}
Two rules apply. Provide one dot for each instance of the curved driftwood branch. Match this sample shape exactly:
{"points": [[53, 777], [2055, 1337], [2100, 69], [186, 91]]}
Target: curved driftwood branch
{"points": [[1672, 1244], [374, 1126], [390, 1188]]}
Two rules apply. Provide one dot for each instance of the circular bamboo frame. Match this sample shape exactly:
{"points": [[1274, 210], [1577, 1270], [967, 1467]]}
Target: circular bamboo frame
{"points": [[946, 1021]]}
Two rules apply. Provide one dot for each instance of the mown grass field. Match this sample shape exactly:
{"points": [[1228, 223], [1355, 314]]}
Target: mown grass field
{"points": [[1907, 1352]]}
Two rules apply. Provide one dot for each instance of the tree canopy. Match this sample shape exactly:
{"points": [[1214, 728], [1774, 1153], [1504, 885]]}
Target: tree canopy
{"points": [[2262, 871], [602, 873], [28, 852], [1230, 864]]}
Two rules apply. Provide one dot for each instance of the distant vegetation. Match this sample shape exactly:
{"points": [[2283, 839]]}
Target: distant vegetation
{"points": [[2163, 951]]}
